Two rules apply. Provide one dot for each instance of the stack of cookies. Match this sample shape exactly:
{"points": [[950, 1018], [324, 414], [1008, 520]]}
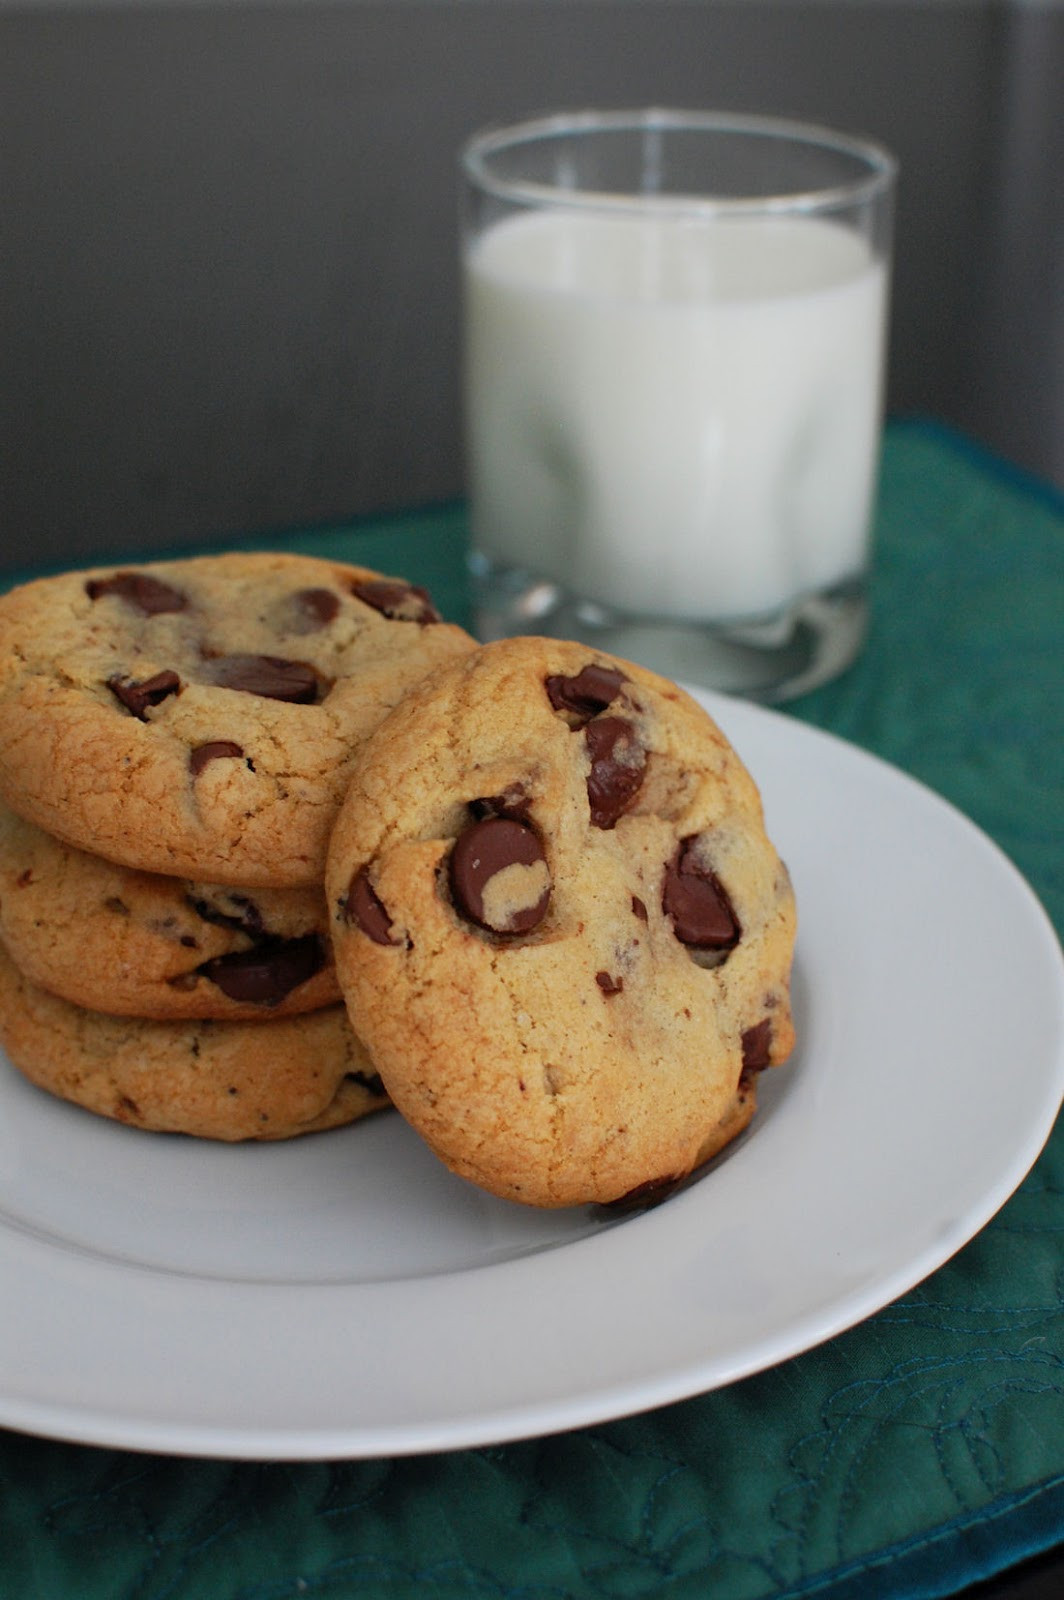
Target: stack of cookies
{"points": [[175, 744], [278, 847]]}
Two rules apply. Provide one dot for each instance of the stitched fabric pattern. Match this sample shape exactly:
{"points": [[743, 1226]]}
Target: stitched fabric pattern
{"points": [[910, 1455]]}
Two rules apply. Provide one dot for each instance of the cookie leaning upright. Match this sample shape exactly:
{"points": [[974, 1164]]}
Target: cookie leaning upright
{"points": [[199, 718], [559, 925]]}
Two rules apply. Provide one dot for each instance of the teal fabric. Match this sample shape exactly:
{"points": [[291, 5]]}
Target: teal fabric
{"points": [[908, 1457]]}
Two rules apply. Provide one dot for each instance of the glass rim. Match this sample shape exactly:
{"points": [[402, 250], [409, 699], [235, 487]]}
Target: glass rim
{"points": [[475, 157]]}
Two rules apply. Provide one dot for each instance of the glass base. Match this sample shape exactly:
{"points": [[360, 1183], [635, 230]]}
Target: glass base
{"points": [[769, 659]]}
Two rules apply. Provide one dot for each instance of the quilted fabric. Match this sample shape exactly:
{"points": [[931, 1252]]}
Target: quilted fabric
{"points": [[917, 1452]]}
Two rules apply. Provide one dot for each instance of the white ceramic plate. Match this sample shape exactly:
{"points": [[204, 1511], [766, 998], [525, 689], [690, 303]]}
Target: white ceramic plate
{"points": [[345, 1296]]}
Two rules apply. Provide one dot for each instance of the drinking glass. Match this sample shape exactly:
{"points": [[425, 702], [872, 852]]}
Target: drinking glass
{"points": [[674, 351]]}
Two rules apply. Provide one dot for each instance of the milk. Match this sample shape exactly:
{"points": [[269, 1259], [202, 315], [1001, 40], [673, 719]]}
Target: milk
{"points": [[674, 417]]}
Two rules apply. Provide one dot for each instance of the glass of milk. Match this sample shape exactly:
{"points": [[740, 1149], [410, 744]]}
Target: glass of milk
{"points": [[674, 347]]}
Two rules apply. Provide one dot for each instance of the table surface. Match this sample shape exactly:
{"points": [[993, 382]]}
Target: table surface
{"points": [[916, 1454]]}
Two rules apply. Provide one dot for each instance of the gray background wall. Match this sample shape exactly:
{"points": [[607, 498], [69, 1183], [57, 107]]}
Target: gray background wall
{"points": [[229, 294]]}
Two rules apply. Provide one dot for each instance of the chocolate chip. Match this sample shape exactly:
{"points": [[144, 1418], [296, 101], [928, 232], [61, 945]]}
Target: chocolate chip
{"points": [[268, 972], [312, 609], [651, 1193], [480, 855], [696, 900], [364, 908], [618, 762], [514, 802], [139, 590], [757, 1046], [608, 983], [402, 602], [638, 908], [245, 917], [216, 750], [139, 698], [589, 692], [270, 677]]}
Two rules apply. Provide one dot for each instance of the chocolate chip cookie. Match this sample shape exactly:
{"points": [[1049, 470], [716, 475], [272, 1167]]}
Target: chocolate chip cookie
{"points": [[200, 718], [559, 924], [139, 944], [215, 1080]]}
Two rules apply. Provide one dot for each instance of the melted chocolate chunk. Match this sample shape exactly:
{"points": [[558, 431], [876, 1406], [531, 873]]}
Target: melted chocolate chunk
{"points": [[618, 763], [216, 750], [696, 900], [312, 609], [757, 1046], [364, 908], [514, 802], [651, 1193], [144, 593], [402, 602], [486, 848], [608, 983], [639, 909], [139, 698], [245, 918], [265, 974], [591, 691], [270, 677]]}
